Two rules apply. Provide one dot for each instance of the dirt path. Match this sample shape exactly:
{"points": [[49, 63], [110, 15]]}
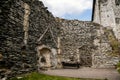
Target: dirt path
{"points": [[110, 74]]}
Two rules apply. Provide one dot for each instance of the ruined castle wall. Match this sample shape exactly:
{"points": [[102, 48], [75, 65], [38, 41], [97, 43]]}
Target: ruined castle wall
{"points": [[22, 23], [76, 40], [96, 16], [88, 41], [104, 56], [116, 8], [106, 13]]}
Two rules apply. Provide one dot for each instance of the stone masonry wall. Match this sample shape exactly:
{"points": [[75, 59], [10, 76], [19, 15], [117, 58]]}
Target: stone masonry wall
{"points": [[107, 13], [77, 36], [22, 23], [105, 55], [26, 25], [86, 42], [116, 8]]}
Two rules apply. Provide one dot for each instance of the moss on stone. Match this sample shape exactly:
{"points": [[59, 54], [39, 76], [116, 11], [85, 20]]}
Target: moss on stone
{"points": [[118, 67], [115, 44]]}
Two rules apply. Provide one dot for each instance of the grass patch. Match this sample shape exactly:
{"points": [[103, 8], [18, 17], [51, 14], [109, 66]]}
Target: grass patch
{"points": [[38, 76]]}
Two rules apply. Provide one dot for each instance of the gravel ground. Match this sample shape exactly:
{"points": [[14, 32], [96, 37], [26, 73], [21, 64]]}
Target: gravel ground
{"points": [[110, 74]]}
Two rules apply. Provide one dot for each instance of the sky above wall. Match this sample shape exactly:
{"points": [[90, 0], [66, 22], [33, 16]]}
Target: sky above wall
{"points": [[70, 9]]}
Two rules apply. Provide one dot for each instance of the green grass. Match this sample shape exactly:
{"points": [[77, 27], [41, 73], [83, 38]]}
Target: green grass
{"points": [[38, 76]]}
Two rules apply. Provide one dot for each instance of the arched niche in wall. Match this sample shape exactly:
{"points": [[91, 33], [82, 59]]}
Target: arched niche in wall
{"points": [[46, 57], [117, 20], [45, 54], [117, 2]]}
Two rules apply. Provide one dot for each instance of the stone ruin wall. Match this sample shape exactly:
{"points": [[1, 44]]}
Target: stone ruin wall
{"points": [[116, 9], [76, 40], [87, 42], [103, 56], [107, 13], [22, 23]]}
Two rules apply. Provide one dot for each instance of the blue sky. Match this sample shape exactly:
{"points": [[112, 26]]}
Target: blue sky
{"points": [[70, 9], [85, 16]]}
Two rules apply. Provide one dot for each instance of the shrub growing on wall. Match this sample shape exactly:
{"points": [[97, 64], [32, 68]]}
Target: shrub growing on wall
{"points": [[115, 44], [118, 67]]}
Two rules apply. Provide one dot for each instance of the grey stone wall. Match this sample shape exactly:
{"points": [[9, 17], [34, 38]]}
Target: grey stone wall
{"points": [[86, 42], [77, 36], [22, 23], [106, 13], [116, 9], [105, 55], [27, 25]]}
